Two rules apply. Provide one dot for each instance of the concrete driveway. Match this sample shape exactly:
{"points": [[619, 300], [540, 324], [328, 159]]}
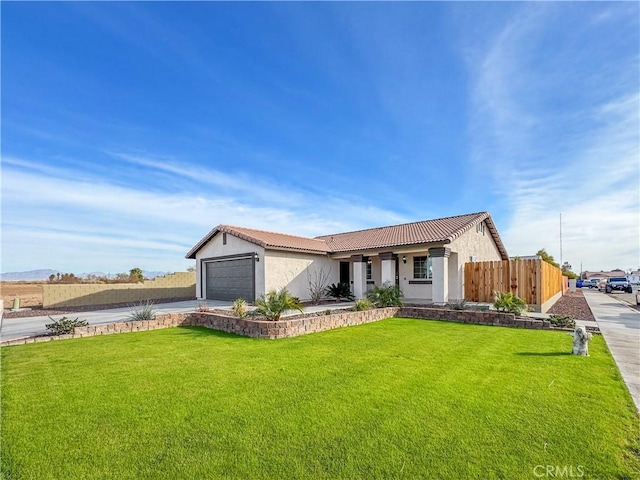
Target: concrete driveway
{"points": [[11, 328], [620, 327]]}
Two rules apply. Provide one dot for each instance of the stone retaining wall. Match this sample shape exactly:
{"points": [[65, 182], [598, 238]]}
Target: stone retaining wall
{"points": [[291, 328], [294, 327]]}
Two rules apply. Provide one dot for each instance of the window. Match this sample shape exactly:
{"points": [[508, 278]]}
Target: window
{"points": [[369, 270], [422, 267], [480, 228], [224, 238]]}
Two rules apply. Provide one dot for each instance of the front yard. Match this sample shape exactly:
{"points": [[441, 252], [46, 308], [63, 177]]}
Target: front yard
{"points": [[398, 398]]}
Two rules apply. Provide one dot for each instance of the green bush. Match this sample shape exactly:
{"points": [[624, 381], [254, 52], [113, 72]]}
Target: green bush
{"points": [[508, 302], [563, 321], [340, 291], [240, 308], [386, 295], [362, 305], [143, 311], [274, 304], [65, 325]]}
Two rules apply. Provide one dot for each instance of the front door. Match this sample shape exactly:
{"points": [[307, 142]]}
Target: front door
{"points": [[344, 272]]}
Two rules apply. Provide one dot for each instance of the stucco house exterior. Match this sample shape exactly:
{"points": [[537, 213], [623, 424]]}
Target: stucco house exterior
{"points": [[426, 259]]}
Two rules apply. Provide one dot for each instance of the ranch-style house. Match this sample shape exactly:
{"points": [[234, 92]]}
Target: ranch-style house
{"points": [[425, 259]]}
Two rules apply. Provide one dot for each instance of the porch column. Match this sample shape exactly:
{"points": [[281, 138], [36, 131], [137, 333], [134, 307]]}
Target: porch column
{"points": [[440, 282], [359, 275], [388, 267]]}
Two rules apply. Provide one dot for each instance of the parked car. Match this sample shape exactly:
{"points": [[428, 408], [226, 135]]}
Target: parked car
{"points": [[578, 283], [618, 283], [589, 284]]}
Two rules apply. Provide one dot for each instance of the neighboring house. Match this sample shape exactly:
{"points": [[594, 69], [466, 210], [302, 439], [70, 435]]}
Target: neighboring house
{"points": [[602, 275], [426, 259]]}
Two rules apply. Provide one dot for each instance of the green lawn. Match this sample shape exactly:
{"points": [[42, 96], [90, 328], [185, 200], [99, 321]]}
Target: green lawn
{"points": [[398, 398]]}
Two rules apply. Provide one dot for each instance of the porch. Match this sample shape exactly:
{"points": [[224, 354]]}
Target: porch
{"points": [[430, 275]]}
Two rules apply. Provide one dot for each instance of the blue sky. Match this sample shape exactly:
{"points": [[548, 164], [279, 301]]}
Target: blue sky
{"points": [[129, 130]]}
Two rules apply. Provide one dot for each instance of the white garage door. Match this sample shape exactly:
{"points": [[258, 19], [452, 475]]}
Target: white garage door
{"points": [[230, 279]]}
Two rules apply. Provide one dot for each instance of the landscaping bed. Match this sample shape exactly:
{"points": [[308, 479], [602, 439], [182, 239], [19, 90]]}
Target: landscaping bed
{"points": [[398, 398], [573, 304]]}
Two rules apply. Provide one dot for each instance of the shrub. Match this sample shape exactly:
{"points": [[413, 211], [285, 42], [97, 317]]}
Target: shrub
{"points": [[340, 291], [143, 311], [65, 325], [508, 302], [457, 304], [362, 305], [203, 307], [317, 284], [240, 308], [386, 295], [274, 304], [563, 321]]}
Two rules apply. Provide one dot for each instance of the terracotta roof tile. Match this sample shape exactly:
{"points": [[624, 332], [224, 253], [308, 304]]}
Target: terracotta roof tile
{"points": [[276, 240], [441, 230]]}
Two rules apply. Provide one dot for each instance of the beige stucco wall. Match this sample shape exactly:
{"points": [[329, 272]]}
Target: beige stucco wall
{"points": [[412, 291], [175, 285], [234, 246], [292, 270], [469, 244]]}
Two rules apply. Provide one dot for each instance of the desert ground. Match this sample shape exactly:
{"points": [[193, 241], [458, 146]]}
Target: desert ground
{"points": [[30, 294]]}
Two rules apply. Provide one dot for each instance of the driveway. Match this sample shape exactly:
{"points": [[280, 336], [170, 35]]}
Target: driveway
{"points": [[620, 327], [11, 328]]}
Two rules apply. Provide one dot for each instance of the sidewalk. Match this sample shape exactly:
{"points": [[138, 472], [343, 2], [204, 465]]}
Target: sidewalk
{"points": [[620, 327]]}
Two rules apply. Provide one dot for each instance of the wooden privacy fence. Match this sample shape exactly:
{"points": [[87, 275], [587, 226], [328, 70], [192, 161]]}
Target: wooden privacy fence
{"points": [[535, 281]]}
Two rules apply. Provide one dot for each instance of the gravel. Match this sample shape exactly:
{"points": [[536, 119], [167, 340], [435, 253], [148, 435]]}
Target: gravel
{"points": [[573, 304]]}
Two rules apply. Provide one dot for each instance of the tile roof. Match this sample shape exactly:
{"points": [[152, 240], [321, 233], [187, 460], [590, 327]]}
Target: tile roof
{"points": [[265, 239], [441, 230]]}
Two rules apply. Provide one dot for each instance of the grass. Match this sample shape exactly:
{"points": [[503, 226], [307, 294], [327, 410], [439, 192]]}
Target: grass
{"points": [[398, 398]]}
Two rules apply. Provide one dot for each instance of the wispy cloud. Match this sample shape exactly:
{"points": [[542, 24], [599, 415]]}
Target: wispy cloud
{"points": [[558, 154], [49, 212]]}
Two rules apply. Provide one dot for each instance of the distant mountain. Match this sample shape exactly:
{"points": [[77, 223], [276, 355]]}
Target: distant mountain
{"points": [[44, 274], [30, 276]]}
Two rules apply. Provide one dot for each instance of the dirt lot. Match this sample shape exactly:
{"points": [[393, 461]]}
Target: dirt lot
{"points": [[30, 294]]}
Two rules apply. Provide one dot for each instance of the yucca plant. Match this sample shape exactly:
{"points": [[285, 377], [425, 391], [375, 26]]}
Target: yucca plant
{"points": [[508, 302], [275, 303], [143, 311], [385, 296]]}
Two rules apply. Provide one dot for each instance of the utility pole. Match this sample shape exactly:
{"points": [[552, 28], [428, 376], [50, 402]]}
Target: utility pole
{"points": [[561, 263]]}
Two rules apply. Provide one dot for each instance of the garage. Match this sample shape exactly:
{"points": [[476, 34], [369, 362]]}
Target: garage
{"points": [[230, 278]]}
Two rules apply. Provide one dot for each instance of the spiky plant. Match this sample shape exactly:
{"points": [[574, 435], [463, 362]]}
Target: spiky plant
{"points": [[240, 308], [386, 295], [275, 303], [143, 311], [508, 302], [340, 291]]}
